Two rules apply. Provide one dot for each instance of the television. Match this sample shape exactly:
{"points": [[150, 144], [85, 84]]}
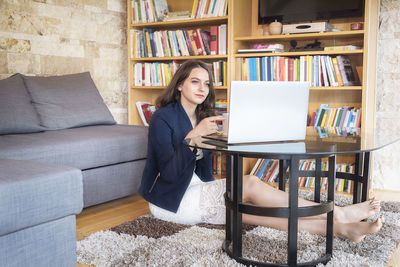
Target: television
{"points": [[288, 11]]}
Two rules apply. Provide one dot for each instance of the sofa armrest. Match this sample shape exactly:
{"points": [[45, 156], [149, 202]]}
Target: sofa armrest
{"points": [[32, 193]]}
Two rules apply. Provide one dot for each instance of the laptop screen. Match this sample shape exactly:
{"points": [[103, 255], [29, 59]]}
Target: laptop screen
{"points": [[267, 111]]}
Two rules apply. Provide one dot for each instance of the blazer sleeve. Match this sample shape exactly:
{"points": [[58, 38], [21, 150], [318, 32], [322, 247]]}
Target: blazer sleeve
{"points": [[172, 160]]}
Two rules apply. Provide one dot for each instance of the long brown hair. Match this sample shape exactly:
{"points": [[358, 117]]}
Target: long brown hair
{"points": [[172, 94]]}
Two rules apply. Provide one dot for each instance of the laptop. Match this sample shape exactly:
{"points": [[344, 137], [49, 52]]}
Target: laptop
{"points": [[262, 111]]}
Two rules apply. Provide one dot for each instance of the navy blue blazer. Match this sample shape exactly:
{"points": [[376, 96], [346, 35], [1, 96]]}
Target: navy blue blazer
{"points": [[170, 163]]}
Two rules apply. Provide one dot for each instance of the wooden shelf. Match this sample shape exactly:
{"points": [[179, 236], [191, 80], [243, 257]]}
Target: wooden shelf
{"points": [[334, 88], [212, 57], [303, 36], [302, 53], [178, 23], [313, 135]]}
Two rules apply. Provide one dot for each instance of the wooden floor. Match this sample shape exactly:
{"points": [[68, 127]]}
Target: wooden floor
{"points": [[107, 215]]}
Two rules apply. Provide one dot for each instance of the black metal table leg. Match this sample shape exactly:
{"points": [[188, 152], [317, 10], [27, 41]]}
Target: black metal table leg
{"points": [[280, 175], [293, 208], [331, 197], [237, 198], [365, 179], [228, 195], [358, 174]]}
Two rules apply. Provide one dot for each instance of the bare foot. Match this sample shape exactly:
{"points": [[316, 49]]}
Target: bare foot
{"points": [[357, 212], [356, 232]]}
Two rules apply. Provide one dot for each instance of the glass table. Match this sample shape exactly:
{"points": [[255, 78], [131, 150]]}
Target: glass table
{"points": [[312, 147]]}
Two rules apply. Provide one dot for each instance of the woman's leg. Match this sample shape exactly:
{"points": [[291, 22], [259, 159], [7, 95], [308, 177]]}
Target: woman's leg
{"points": [[259, 193], [353, 231]]}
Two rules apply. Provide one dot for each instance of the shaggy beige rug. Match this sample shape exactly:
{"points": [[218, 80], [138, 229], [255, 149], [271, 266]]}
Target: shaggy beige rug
{"points": [[147, 241]]}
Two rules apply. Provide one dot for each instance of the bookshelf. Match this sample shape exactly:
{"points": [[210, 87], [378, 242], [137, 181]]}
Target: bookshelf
{"points": [[150, 93], [243, 31]]}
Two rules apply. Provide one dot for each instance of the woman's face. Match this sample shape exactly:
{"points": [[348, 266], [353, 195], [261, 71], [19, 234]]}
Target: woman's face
{"points": [[195, 88]]}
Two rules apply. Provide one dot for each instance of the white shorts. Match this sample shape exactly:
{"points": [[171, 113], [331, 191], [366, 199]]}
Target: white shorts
{"points": [[203, 202]]}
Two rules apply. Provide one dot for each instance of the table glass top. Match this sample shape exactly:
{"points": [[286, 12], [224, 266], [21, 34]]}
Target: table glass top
{"points": [[312, 145]]}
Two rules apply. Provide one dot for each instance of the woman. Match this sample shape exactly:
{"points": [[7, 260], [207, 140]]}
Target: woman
{"points": [[178, 182]]}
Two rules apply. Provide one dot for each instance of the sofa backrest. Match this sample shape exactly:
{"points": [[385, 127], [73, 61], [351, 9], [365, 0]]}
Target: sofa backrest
{"points": [[17, 114], [53, 103], [67, 101]]}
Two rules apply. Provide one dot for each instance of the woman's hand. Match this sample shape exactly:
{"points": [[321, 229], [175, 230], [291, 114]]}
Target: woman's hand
{"points": [[205, 127]]}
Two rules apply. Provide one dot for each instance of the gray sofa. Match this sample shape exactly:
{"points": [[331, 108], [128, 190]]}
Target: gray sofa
{"points": [[60, 151]]}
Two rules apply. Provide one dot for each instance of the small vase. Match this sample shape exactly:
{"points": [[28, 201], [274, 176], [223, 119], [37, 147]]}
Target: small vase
{"points": [[275, 28], [265, 30]]}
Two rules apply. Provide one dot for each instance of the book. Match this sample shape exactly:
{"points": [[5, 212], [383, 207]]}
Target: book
{"points": [[193, 42], [222, 39], [194, 8], [256, 165], [253, 68], [333, 79], [347, 71], [148, 44], [188, 42], [263, 48], [266, 171], [324, 71], [337, 71], [214, 40], [161, 9], [269, 176], [262, 168], [182, 43], [205, 36], [177, 15], [199, 42], [176, 45], [150, 10], [202, 7], [341, 47], [145, 110]]}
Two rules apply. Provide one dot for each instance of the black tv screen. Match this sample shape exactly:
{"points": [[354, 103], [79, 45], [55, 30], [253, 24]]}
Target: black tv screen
{"points": [[287, 11]]}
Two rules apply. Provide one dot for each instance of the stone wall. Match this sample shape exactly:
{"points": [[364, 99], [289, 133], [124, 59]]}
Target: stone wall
{"points": [[50, 37], [387, 116]]}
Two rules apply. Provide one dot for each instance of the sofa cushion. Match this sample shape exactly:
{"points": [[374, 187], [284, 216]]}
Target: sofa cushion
{"points": [[32, 193], [82, 148], [17, 114], [68, 101]]}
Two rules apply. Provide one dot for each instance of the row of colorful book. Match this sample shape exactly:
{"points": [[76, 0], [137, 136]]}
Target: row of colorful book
{"points": [[144, 11], [332, 121], [221, 105], [209, 8], [160, 74], [219, 70], [219, 164], [319, 70], [154, 74], [268, 169], [151, 43]]}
